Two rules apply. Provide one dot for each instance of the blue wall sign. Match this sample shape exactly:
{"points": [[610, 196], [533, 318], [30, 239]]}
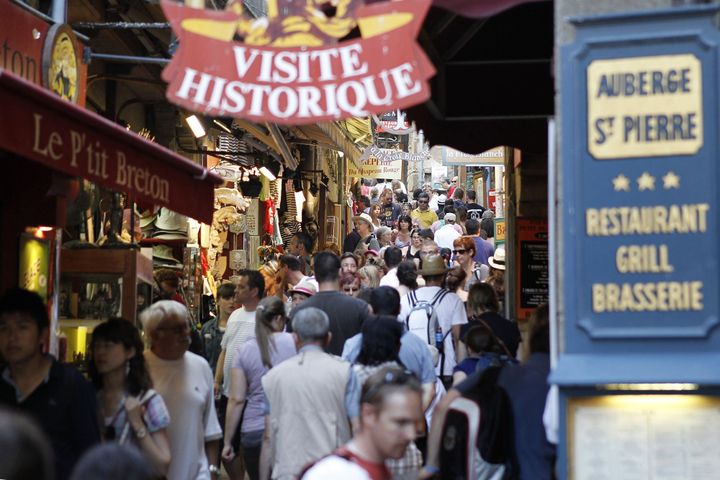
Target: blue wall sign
{"points": [[640, 187]]}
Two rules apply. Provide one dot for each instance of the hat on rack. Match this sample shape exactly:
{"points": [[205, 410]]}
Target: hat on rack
{"points": [[163, 252], [498, 260], [170, 221], [365, 218]]}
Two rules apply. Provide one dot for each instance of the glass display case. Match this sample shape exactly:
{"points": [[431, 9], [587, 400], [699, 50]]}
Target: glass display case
{"points": [[95, 285]]}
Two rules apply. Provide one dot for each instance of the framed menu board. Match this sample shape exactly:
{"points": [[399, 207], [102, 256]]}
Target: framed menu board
{"points": [[644, 437]]}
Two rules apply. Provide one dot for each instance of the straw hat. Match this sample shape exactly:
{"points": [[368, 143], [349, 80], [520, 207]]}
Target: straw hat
{"points": [[365, 218], [498, 260], [433, 265]]}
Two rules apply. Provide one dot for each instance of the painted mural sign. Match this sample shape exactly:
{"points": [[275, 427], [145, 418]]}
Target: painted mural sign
{"points": [[290, 67]]}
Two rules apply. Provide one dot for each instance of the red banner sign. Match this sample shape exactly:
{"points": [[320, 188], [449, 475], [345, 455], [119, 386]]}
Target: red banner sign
{"points": [[274, 75], [63, 136]]}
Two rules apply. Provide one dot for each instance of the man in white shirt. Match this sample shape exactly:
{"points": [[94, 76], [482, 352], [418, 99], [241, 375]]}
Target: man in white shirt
{"points": [[446, 235], [240, 327], [185, 382], [450, 309], [392, 256]]}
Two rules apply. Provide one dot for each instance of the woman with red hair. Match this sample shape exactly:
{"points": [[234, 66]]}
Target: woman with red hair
{"points": [[463, 253]]}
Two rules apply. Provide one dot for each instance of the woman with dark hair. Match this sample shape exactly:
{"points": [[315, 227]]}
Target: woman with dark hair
{"points": [[253, 360], [413, 250], [482, 309], [407, 276], [484, 350], [130, 410], [402, 237], [454, 281]]}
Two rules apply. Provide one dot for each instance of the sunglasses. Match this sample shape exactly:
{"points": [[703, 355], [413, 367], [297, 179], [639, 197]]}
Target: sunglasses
{"points": [[351, 289], [423, 201], [391, 377]]}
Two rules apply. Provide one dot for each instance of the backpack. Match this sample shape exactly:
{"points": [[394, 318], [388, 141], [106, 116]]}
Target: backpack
{"points": [[478, 434], [422, 320]]}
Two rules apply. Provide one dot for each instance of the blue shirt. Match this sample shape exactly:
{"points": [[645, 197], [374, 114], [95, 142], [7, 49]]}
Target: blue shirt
{"points": [[483, 250], [414, 355]]}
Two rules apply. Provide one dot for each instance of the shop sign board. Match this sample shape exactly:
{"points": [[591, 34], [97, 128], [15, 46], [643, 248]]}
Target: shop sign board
{"points": [[387, 166], [639, 247], [641, 183], [67, 138], [290, 66], [451, 157], [532, 265], [500, 232]]}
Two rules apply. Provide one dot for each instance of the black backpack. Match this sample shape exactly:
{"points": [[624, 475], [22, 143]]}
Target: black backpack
{"points": [[494, 438]]}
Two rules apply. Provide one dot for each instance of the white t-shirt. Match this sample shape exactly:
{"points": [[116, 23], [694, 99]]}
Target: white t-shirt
{"points": [[186, 386], [390, 279], [450, 312], [445, 236], [333, 466], [240, 327]]}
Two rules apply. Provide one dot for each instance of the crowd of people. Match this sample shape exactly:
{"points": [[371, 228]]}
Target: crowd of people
{"points": [[349, 371]]}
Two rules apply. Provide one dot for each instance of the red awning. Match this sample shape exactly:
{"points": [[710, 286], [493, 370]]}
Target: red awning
{"points": [[39, 125], [477, 8]]}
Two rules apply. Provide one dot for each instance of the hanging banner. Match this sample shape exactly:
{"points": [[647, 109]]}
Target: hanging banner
{"points": [[451, 157], [34, 267], [373, 167], [389, 155], [289, 68]]}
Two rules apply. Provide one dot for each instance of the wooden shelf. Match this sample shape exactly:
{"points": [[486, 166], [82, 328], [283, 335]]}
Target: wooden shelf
{"points": [[133, 266]]}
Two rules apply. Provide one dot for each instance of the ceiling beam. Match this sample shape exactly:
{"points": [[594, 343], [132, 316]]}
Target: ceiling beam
{"points": [[463, 40]]}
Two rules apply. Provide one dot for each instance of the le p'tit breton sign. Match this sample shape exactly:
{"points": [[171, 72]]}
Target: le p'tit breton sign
{"points": [[290, 67]]}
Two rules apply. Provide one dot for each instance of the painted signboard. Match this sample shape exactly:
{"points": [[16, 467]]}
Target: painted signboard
{"points": [[387, 166], [290, 66], [639, 248], [451, 157], [641, 185], [50, 56]]}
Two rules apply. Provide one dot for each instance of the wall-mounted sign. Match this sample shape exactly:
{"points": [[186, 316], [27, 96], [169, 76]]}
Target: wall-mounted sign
{"points": [[532, 265], [451, 157], [645, 106], [289, 67], [61, 62], [388, 166], [41, 54], [34, 271], [500, 232], [389, 155]]}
